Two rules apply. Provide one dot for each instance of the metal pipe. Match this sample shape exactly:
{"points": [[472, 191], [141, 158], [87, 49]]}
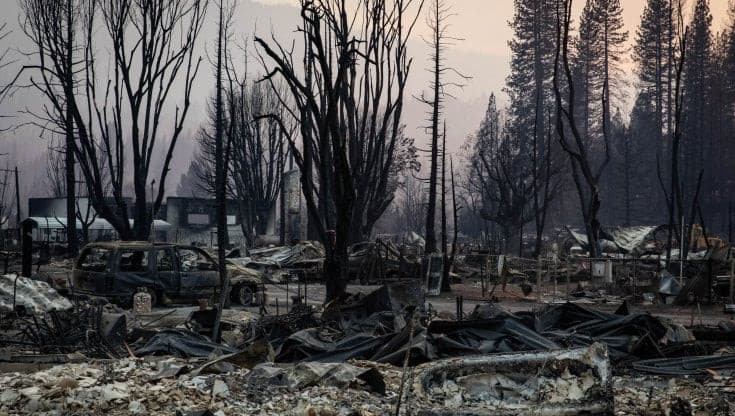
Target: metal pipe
{"points": [[681, 254], [17, 205]]}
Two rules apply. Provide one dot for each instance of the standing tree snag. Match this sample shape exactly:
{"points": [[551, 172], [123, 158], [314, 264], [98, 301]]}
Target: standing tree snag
{"points": [[348, 98], [674, 198], [123, 111], [222, 153], [586, 178], [439, 13], [63, 21]]}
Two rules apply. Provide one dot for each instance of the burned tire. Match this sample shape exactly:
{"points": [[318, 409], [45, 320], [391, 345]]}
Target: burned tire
{"points": [[243, 294]]}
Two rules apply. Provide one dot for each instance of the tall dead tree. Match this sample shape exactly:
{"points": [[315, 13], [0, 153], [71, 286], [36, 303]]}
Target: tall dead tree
{"points": [[348, 98], [69, 144], [437, 21], [586, 177], [64, 19], [222, 155], [455, 217], [674, 199], [151, 54]]}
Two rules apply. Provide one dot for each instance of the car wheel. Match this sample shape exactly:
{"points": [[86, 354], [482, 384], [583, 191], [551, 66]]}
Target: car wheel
{"points": [[243, 295]]}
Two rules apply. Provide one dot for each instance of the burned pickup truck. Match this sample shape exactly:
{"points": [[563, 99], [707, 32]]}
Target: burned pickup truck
{"points": [[171, 273]]}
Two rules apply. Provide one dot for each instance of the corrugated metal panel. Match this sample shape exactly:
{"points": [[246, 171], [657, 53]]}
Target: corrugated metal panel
{"points": [[53, 223]]}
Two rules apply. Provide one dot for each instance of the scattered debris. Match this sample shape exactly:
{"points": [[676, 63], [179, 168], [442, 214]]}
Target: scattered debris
{"points": [[566, 382], [356, 355]]}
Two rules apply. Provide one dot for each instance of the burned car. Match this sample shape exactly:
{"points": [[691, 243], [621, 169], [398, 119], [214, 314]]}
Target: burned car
{"points": [[170, 273]]}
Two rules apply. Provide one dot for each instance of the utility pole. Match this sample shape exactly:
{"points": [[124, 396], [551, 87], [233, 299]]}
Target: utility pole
{"points": [[17, 203], [282, 199]]}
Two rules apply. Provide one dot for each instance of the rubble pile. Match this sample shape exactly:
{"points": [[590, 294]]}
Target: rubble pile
{"points": [[134, 386], [34, 296], [94, 330], [146, 387], [372, 328], [366, 354]]}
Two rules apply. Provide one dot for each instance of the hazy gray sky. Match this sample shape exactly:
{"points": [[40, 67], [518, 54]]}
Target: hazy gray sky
{"points": [[484, 23], [484, 55]]}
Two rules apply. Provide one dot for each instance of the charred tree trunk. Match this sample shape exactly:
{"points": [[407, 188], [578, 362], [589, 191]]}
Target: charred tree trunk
{"points": [[434, 159], [282, 204], [71, 185], [455, 219], [220, 181], [674, 197], [445, 271], [586, 178], [336, 116]]}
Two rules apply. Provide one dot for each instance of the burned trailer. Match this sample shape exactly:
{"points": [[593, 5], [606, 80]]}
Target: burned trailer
{"points": [[170, 273]]}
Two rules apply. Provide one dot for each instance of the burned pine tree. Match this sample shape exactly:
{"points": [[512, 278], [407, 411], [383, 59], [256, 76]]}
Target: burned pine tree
{"points": [[348, 98], [698, 164], [151, 54], [654, 56], [530, 90]]}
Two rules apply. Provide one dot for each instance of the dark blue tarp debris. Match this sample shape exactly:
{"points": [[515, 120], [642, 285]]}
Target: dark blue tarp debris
{"points": [[558, 326], [181, 343]]}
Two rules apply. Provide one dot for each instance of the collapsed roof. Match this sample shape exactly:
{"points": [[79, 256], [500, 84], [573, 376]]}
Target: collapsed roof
{"points": [[628, 240]]}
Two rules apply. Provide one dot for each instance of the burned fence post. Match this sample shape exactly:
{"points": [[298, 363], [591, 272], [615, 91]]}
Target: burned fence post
{"points": [[17, 205], [538, 279], [26, 245], [459, 301], [482, 277]]}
